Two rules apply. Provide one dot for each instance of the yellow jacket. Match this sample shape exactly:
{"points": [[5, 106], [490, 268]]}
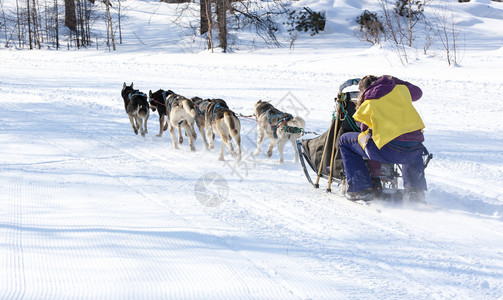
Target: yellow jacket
{"points": [[389, 116]]}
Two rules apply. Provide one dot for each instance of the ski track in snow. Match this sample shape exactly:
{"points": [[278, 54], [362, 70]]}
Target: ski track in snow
{"points": [[90, 210]]}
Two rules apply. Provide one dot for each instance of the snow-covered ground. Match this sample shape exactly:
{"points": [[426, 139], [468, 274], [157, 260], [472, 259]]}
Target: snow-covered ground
{"points": [[89, 210]]}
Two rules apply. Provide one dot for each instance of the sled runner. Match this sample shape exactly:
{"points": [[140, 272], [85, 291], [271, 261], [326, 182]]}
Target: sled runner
{"points": [[322, 154]]}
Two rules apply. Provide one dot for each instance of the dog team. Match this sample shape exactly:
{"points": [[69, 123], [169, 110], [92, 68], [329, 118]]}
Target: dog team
{"points": [[212, 116]]}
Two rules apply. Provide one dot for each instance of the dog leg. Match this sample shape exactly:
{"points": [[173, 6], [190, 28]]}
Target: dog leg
{"points": [[222, 151], [225, 141], [237, 141], [193, 129], [161, 125], [131, 120], [211, 136], [190, 134], [296, 150], [146, 119], [281, 147], [173, 136], [260, 140], [139, 121], [203, 135], [180, 136], [271, 147]]}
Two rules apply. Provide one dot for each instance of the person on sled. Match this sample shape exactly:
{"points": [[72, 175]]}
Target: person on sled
{"points": [[391, 133]]}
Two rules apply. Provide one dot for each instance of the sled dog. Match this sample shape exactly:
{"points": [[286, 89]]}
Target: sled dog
{"points": [[137, 108], [201, 106], [160, 106], [180, 112], [272, 123], [220, 119]]}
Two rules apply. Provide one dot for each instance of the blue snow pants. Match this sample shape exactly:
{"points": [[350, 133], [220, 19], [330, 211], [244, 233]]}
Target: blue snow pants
{"points": [[408, 154]]}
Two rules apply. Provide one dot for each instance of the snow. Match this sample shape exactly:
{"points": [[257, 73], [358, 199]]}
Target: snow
{"points": [[89, 210]]}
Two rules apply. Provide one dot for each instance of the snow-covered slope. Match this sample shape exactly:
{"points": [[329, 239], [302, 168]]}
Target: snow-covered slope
{"points": [[89, 210]]}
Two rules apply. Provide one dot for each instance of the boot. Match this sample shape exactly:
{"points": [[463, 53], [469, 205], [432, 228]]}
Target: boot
{"points": [[365, 195], [415, 195]]}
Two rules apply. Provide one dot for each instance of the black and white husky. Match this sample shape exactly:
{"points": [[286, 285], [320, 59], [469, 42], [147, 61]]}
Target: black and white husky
{"points": [[137, 108], [272, 123], [159, 103], [180, 112]]}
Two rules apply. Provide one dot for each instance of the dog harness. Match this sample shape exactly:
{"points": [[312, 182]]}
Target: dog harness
{"points": [[163, 104], [201, 107], [214, 108], [136, 93], [280, 120]]}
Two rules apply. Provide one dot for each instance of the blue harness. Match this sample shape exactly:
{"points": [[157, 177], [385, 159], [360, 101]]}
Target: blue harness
{"points": [[200, 106], [214, 108], [137, 93], [280, 120]]}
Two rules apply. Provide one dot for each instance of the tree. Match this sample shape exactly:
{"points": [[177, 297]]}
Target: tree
{"points": [[29, 23], [70, 17], [221, 9], [109, 18], [203, 15], [371, 29]]}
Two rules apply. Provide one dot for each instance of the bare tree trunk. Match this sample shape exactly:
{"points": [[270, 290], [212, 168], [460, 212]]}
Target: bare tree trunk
{"points": [[119, 20], [18, 24], [29, 23], [410, 24], [109, 16], [70, 18], [57, 23], [221, 7], [81, 20], [203, 14], [36, 31], [210, 24]]}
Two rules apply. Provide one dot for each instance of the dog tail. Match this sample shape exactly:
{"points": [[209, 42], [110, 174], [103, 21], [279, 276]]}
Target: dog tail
{"points": [[190, 108], [234, 127]]}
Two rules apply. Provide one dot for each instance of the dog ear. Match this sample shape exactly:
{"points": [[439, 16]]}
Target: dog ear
{"points": [[150, 93], [131, 85], [124, 86]]}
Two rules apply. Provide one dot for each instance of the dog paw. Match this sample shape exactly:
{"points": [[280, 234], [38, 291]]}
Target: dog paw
{"points": [[269, 153], [220, 158], [159, 135], [256, 153], [193, 149], [180, 140], [136, 132]]}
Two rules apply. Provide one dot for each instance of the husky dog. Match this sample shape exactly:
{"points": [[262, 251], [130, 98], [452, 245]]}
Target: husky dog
{"points": [[220, 119], [180, 112], [272, 123], [160, 106], [201, 106], [137, 108]]}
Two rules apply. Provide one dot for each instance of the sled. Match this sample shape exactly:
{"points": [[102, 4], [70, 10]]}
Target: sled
{"points": [[321, 153]]}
